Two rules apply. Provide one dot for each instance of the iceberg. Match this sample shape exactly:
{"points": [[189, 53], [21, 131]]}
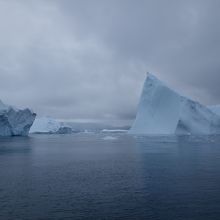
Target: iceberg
{"points": [[163, 111], [45, 125], [49, 125], [114, 130], [15, 122], [109, 138]]}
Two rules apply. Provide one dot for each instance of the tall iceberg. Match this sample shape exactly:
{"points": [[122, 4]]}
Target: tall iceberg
{"points": [[162, 111], [15, 122]]}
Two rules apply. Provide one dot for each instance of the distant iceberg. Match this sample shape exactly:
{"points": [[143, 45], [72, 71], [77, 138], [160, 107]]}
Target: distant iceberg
{"points": [[109, 138], [64, 130], [45, 125], [15, 122], [163, 111], [114, 130], [49, 125]]}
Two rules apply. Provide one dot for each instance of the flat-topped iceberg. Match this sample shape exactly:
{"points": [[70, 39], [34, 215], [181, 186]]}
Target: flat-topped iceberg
{"points": [[49, 125], [15, 122], [45, 125], [163, 111]]}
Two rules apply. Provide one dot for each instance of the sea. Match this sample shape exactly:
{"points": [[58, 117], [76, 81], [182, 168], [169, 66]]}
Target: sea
{"points": [[109, 176]]}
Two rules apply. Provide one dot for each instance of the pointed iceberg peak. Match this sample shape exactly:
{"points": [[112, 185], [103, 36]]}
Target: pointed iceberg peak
{"points": [[152, 79], [162, 110], [151, 76]]}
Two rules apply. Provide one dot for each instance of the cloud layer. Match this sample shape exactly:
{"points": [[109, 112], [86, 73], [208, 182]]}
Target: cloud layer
{"points": [[88, 59]]}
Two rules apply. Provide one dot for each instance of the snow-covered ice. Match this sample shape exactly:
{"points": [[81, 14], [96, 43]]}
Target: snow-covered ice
{"points": [[161, 110], [14, 121]]}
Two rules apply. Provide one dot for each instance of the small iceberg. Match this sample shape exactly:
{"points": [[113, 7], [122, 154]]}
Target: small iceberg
{"points": [[64, 130], [109, 138], [114, 131]]}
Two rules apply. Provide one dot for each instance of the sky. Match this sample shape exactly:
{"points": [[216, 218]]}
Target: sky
{"points": [[87, 59]]}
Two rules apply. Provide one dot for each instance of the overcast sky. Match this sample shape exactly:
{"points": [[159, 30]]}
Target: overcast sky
{"points": [[88, 58]]}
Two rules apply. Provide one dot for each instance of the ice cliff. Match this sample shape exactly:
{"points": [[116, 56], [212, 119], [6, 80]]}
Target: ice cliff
{"points": [[15, 122], [163, 111]]}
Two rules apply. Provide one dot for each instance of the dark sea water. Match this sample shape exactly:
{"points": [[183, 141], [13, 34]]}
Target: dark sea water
{"points": [[91, 176]]}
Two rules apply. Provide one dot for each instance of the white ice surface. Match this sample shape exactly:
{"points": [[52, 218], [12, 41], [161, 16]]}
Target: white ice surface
{"points": [[45, 125]]}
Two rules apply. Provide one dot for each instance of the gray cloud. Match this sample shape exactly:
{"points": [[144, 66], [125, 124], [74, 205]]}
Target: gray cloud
{"points": [[87, 59]]}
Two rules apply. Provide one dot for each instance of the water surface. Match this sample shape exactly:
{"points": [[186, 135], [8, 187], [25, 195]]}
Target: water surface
{"points": [[99, 176]]}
